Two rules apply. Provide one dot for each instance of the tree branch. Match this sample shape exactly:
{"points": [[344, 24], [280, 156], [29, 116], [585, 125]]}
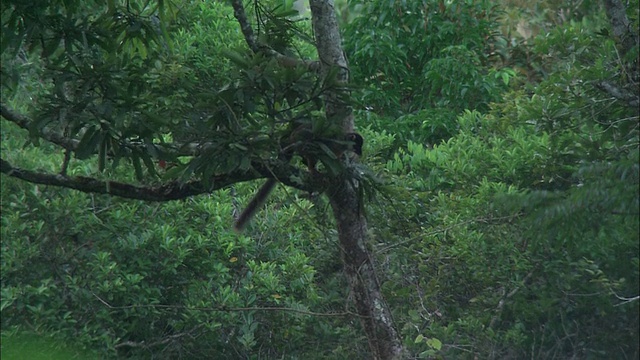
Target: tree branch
{"points": [[173, 190], [245, 27], [619, 93], [174, 149], [250, 38], [48, 134], [327, 36], [227, 309], [620, 25], [166, 192]]}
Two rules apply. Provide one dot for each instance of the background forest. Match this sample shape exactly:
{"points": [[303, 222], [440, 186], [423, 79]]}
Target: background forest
{"points": [[502, 182]]}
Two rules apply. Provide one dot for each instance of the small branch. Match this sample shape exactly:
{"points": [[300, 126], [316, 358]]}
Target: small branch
{"points": [[250, 37], [225, 308], [49, 135], [625, 300], [507, 296], [145, 345], [175, 149], [619, 93]]}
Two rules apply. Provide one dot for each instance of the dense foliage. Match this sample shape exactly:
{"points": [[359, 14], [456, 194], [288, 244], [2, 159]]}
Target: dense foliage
{"points": [[506, 224]]}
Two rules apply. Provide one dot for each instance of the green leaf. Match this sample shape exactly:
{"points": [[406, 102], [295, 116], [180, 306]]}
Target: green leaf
{"points": [[327, 150], [151, 166], [237, 58], [135, 161], [89, 143], [102, 154], [238, 147], [245, 163], [434, 343]]}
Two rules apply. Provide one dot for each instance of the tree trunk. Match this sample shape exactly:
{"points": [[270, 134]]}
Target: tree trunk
{"points": [[352, 225], [622, 29], [358, 266]]}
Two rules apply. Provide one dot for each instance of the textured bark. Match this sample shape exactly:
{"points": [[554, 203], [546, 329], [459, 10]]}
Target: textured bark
{"points": [[330, 53], [375, 316], [245, 27], [622, 29], [169, 191], [627, 37]]}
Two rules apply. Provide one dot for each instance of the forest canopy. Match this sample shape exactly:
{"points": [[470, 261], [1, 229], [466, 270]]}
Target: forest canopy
{"points": [[492, 212]]}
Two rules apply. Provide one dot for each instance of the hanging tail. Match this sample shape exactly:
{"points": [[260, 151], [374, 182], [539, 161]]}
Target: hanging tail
{"points": [[256, 203]]}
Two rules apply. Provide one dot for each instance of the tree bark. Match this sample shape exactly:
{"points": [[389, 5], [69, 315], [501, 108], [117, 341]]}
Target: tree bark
{"points": [[620, 25], [370, 305], [374, 313]]}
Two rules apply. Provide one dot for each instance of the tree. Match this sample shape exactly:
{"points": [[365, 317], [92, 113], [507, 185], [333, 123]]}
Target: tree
{"points": [[508, 132], [105, 96], [563, 152]]}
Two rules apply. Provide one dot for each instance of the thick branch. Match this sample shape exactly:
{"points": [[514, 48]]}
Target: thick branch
{"points": [[247, 31], [173, 190], [166, 192]]}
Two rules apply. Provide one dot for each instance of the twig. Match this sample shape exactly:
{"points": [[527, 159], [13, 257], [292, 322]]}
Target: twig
{"points": [[421, 236], [226, 309]]}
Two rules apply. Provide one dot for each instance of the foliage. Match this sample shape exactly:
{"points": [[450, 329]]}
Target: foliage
{"points": [[123, 86], [530, 238], [39, 348], [485, 241], [507, 229], [415, 55], [125, 279], [172, 283]]}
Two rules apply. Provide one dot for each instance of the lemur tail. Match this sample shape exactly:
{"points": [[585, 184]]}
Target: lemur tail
{"points": [[255, 204]]}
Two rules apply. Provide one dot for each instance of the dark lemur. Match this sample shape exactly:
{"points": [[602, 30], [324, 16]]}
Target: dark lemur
{"points": [[355, 142]]}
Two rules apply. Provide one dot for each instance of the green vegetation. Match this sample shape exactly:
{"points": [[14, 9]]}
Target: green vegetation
{"points": [[503, 136]]}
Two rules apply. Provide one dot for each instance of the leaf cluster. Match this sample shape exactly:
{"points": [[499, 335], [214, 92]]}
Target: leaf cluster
{"points": [[429, 58], [524, 224]]}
